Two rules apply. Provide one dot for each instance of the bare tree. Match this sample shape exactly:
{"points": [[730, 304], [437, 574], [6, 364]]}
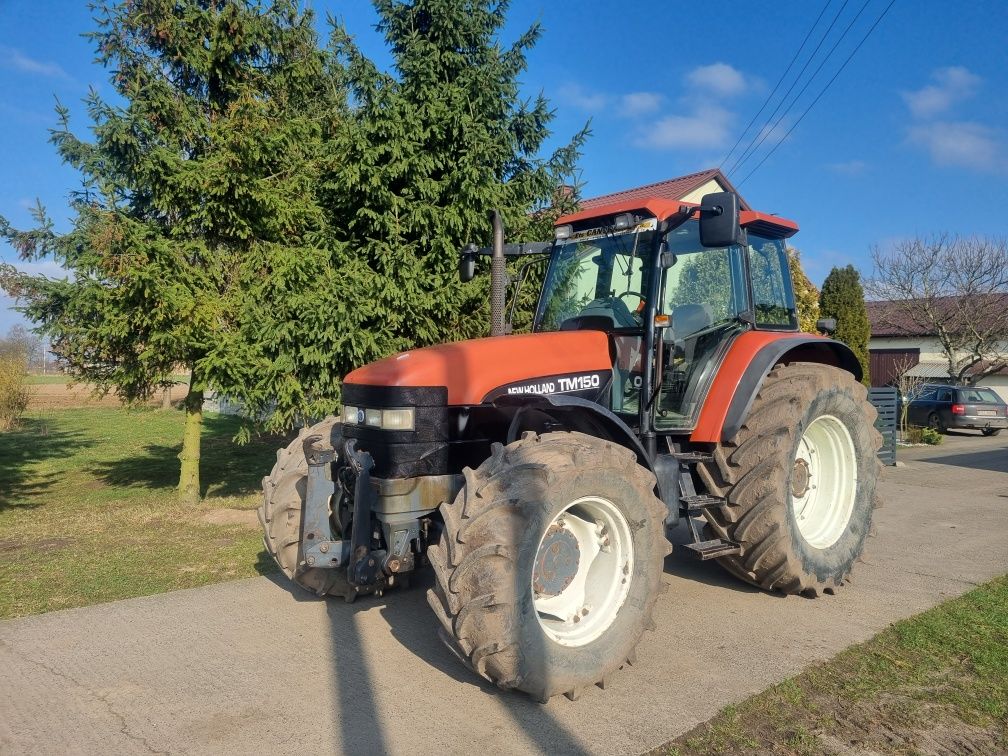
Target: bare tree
{"points": [[910, 387], [954, 288], [26, 345]]}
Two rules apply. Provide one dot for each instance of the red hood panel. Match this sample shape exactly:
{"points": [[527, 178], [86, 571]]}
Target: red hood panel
{"points": [[471, 369]]}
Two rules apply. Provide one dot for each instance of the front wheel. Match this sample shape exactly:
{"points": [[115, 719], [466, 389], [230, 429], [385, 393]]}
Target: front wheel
{"points": [[549, 563], [798, 480], [284, 491]]}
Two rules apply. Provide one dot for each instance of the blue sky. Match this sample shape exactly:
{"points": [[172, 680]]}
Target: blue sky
{"points": [[909, 139]]}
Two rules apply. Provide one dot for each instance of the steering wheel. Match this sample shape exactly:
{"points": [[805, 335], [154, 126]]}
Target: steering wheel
{"points": [[636, 294], [613, 308]]}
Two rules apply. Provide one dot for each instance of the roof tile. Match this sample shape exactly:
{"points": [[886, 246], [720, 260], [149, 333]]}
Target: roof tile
{"points": [[674, 188]]}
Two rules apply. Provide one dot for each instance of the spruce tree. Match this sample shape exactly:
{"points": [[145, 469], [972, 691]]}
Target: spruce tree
{"points": [[842, 297], [806, 294], [198, 192], [431, 148]]}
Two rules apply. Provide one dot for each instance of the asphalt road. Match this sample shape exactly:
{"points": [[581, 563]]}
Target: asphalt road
{"points": [[248, 667]]}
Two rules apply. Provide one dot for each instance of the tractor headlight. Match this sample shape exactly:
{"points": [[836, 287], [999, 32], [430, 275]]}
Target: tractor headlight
{"points": [[398, 419]]}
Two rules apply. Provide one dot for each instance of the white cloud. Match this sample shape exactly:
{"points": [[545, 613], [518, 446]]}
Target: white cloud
{"points": [[701, 120], [848, 167], [14, 58], [640, 103], [962, 143], [952, 85], [579, 97], [719, 79], [705, 128]]}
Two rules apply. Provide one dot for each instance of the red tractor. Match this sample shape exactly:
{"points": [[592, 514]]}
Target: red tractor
{"points": [[665, 378]]}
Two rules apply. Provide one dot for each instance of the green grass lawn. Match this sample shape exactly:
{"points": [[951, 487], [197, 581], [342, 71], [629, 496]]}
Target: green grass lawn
{"points": [[87, 512], [38, 380], [936, 682]]}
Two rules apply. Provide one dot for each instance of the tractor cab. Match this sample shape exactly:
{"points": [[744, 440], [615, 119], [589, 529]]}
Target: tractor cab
{"points": [[671, 304]]}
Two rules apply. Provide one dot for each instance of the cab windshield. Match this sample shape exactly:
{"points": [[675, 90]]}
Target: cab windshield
{"points": [[602, 277]]}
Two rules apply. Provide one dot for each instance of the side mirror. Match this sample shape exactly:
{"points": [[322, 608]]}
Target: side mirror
{"points": [[467, 263], [719, 220], [826, 325]]}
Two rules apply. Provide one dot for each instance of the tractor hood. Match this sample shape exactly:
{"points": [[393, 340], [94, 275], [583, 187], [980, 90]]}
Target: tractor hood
{"points": [[482, 369]]}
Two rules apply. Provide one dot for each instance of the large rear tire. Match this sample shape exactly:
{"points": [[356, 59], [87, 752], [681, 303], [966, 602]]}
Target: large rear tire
{"points": [[549, 563], [284, 491], [798, 480]]}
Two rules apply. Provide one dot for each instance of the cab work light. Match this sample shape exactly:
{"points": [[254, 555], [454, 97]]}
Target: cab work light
{"points": [[623, 221], [563, 232]]}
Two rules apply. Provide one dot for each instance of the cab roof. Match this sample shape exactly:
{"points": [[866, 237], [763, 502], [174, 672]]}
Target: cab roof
{"points": [[662, 208]]}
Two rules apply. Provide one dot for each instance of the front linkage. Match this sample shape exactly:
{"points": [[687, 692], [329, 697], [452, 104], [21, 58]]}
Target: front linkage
{"points": [[373, 552]]}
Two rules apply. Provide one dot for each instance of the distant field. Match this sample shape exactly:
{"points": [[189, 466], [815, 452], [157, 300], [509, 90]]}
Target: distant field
{"points": [[87, 512], [60, 378], [58, 392]]}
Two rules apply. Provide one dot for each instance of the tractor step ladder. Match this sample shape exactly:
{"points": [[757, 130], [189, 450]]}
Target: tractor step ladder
{"points": [[693, 505]]}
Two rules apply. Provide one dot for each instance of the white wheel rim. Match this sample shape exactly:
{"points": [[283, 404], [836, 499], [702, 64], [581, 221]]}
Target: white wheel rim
{"points": [[824, 482], [577, 594]]}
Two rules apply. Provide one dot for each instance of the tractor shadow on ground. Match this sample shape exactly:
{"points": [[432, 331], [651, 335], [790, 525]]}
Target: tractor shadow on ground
{"points": [[412, 623], [226, 468], [682, 564], [360, 718], [33, 442]]}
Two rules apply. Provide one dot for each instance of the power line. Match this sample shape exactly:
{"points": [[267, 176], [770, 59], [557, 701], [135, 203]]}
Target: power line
{"points": [[776, 86], [824, 89], [768, 131], [794, 83]]}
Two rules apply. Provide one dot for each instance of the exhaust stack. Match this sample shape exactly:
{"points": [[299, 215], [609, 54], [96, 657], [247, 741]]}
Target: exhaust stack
{"points": [[498, 277]]}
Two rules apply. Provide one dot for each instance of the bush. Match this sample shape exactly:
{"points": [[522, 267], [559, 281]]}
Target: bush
{"points": [[13, 391], [917, 435]]}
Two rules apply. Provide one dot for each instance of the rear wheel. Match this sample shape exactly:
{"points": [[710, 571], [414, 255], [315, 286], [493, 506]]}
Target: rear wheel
{"points": [[284, 491], [990, 431], [798, 480], [935, 422], [550, 563]]}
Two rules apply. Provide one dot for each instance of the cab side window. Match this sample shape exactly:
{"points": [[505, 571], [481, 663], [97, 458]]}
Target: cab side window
{"points": [[773, 298]]}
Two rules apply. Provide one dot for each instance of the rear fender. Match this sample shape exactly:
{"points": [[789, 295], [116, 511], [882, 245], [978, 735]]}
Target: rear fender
{"points": [[742, 377]]}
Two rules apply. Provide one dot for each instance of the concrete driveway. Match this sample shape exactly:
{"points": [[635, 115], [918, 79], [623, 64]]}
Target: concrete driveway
{"points": [[249, 667]]}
